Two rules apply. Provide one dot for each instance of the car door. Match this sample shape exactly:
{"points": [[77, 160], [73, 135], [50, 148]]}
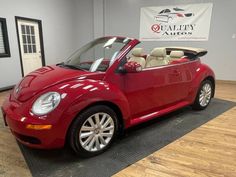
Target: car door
{"points": [[153, 89]]}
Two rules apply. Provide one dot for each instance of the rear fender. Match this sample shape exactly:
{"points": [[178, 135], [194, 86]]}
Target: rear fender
{"points": [[202, 72]]}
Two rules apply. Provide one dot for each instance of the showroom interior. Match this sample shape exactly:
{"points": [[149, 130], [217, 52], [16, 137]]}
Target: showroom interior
{"points": [[182, 142]]}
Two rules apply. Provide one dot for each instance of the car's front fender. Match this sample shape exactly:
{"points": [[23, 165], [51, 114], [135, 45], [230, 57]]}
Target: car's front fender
{"points": [[80, 94], [98, 93]]}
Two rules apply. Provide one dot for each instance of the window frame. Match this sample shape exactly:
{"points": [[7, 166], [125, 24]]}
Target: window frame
{"points": [[5, 39]]}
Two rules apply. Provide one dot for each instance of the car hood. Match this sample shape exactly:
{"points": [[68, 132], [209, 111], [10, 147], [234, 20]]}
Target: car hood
{"points": [[46, 77]]}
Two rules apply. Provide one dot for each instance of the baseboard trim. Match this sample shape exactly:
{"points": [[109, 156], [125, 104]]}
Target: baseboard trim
{"points": [[6, 88], [225, 82]]}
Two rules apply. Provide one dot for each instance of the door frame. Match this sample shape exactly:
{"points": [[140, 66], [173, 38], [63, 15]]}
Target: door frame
{"points": [[40, 40]]}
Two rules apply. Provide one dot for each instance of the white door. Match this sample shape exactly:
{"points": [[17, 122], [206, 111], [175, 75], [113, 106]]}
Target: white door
{"points": [[29, 40]]}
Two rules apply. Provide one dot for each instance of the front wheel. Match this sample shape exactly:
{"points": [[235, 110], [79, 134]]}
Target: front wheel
{"points": [[93, 131], [204, 95]]}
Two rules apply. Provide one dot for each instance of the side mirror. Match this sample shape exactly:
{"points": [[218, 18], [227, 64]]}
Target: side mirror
{"points": [[132, 67]]}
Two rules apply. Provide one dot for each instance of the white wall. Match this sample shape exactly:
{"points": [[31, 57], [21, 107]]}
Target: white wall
{"points": [[83, 20], [68, 24], [122, 18], [98, 18], [58, 29]]}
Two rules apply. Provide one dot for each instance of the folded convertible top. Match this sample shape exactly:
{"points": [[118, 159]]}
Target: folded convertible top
{"points": [[189, 51]]}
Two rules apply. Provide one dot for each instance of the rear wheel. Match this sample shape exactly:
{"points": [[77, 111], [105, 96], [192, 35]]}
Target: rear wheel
{"points": [[93, 131], [204, 95]]}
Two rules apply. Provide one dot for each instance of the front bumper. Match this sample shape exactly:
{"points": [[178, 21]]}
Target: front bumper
{"points": [[43, 139]]}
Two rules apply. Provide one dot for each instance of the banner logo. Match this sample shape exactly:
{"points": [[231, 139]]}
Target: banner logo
{"points": [[156, 28], [168, 15], [170, 23]]}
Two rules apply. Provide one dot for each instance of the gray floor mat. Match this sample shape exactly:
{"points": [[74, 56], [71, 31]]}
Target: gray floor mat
{"points": [[137, 143]]}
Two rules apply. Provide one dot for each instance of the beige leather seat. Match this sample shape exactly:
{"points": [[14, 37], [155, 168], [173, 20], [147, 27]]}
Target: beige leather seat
{"points": [[137, 56], [157, 58], [175, 55]]}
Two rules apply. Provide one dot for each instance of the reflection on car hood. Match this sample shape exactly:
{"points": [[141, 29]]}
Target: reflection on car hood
{"points": [[46, 77]]}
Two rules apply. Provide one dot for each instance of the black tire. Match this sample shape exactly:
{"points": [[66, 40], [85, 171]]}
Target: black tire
{"points": [[75, 130], [197, 104]]}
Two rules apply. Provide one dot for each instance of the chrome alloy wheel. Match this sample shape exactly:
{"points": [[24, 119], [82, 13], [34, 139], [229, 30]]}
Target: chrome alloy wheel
{"points": [[96, 132], [205, 94]]}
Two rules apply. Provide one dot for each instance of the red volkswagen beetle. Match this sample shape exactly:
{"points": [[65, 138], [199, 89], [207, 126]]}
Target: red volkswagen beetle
{"points": [[104, 87]]}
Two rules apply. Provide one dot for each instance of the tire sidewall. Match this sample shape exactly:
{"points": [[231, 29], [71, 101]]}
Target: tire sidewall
{"points": [[79, 121], [197, 104]]}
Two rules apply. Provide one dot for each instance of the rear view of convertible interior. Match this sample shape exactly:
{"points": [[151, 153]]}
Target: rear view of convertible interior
{"points": [[165, 56]]}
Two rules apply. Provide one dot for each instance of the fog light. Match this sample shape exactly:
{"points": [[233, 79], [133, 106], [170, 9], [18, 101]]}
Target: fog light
{"points": [[38, 127]]}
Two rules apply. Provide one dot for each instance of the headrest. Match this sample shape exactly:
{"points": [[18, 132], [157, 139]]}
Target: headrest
{"points": [[176, 54], [137, 52], [158, 52]]}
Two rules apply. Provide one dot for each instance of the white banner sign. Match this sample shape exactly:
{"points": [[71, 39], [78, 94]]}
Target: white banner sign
{"points": [[176, 23]]}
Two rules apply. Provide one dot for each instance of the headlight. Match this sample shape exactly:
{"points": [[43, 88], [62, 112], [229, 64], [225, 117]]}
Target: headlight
{"points": [[46, 103]]}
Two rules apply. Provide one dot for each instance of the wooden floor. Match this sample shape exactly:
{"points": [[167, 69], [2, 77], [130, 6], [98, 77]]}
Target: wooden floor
{"points": [[209, 150], [12, 163]]}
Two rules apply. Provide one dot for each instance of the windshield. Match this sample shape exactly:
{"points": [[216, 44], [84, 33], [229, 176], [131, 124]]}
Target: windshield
{"points": [[97, 55]]}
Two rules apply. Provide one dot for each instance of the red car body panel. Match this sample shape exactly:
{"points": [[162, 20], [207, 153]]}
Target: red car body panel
{"points": [[138, 96]]}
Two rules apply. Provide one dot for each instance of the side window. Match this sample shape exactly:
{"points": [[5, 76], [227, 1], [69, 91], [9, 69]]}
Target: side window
{"points": [[178, 9], [167, 11], [4, 43]]}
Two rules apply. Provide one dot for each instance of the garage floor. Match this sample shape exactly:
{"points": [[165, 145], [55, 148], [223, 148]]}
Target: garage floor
{"points": [[209, 150]]}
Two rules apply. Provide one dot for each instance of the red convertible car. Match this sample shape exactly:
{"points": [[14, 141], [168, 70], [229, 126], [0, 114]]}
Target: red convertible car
{"points": [[103, 88]]}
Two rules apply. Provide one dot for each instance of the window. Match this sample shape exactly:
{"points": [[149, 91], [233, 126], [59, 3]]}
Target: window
{"points": [[4, 44], [97, 55], [178, 9], [28, 36], [167, 11]]}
